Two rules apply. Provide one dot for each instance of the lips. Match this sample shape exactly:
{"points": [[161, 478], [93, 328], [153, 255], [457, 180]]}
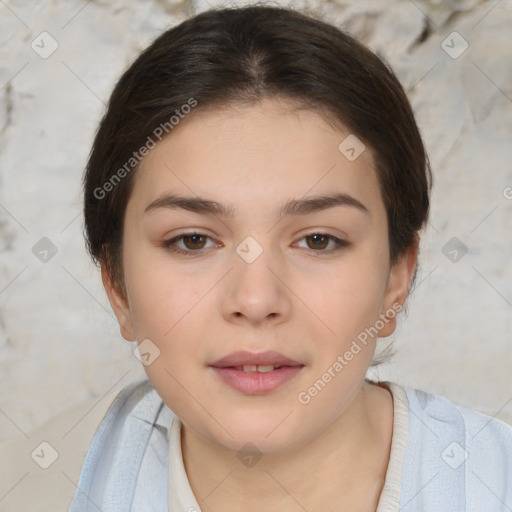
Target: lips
{"points": [[251, 361], [257, 383]]}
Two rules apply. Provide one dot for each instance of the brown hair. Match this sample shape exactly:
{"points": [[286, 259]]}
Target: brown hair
{"points": [[245, 54]]}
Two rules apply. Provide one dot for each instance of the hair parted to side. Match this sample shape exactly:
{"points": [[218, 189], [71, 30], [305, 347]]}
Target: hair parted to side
{"points": [[243, 55]]}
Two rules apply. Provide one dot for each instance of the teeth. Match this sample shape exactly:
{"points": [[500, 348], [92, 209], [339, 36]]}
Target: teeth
{"points": [[262, 368], [265, 368]]}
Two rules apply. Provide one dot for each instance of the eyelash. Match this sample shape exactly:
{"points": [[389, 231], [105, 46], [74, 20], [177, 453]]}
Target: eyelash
{"points": [[168, 244]]}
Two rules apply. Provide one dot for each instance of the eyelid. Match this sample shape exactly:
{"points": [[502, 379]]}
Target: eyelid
{"points": [[168, 243], [340, 242], [327, 232]]}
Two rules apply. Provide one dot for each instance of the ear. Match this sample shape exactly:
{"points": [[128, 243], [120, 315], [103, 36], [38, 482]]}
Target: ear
{"points": [[398, 286], [119, 304]]}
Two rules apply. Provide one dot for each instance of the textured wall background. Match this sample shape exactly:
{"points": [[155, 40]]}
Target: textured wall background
{"points": [[59, 341]]}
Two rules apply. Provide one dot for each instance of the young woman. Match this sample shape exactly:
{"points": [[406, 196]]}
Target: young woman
{"points": [[254, 198]]}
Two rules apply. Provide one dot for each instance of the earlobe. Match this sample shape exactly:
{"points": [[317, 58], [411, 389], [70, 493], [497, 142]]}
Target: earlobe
{"points": [[119, 304], [400, 278]]}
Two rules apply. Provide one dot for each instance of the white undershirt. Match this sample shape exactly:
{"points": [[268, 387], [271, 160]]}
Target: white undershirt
{"points": [[182, 499]]}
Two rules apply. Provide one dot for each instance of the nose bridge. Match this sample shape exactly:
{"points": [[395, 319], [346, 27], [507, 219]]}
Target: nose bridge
{"points": [[255, 291]]}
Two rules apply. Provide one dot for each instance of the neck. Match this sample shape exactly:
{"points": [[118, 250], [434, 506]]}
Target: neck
{"points": [[345, 465]]}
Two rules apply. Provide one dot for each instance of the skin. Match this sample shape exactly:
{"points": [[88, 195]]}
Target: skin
{"points": [[307, 304]]}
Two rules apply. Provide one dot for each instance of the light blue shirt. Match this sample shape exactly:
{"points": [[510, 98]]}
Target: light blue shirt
{"points": [[444, 458]]}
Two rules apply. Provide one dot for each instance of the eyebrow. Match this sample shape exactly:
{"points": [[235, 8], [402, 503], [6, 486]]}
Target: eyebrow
{"points": [[291, 207]]}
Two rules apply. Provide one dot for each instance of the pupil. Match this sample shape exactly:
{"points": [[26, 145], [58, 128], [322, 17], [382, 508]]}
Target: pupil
{"points": [[316, 239], [194, 239]]}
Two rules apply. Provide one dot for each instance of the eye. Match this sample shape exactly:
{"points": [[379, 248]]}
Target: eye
{"points": [[194, 243], [319, 241]]}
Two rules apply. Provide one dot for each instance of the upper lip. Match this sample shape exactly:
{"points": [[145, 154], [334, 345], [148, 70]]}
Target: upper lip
{"points": [[244, 357]]}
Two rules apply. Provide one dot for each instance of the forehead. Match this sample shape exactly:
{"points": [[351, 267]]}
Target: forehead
{"points": [[258, 154]]}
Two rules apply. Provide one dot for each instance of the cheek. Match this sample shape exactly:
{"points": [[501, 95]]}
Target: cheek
{"points": [[348, 298], [166, 304], [160, 299], [165, 308]]}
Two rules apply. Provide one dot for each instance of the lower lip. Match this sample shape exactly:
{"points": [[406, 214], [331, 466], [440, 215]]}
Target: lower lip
{"points": [[257, 383]]}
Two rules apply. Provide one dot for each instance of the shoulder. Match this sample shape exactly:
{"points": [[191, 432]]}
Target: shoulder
{"points": [[440, 410], [454, 447], [40, 470]]}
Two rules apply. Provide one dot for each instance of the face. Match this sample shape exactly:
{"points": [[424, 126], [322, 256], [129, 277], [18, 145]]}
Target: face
{"points": [[260, 264]]}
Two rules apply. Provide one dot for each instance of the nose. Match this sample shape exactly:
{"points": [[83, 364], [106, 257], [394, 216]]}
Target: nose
{"points": [[256, 292]]}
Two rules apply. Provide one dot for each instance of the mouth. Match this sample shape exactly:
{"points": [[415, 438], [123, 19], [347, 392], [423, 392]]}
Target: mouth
{"points": [[246, 361], [261, 368], [257, 382], [256, 374]]}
